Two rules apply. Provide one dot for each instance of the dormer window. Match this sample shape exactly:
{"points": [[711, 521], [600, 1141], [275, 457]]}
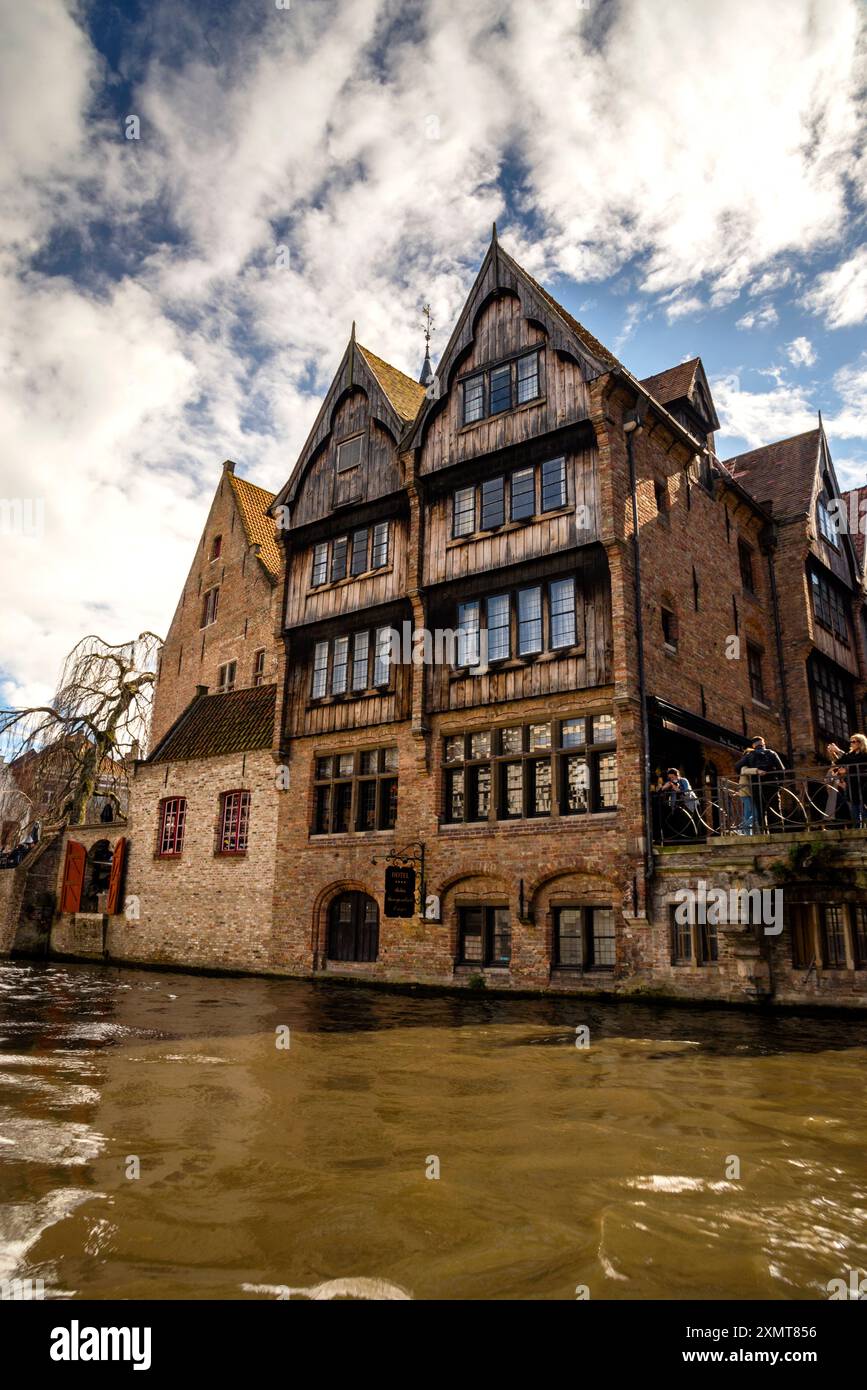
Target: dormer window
{"points": [[826, 525], [501, 388]]}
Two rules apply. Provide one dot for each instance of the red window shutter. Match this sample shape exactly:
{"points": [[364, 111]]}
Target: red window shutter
{"points": [[115, 883], [73, 877]]}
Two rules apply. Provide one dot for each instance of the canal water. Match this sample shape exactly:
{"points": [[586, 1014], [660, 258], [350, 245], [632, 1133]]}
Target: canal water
{"points": [[272, 1160]]}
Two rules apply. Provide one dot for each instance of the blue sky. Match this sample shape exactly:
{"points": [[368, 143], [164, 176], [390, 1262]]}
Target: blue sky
{"points": [[687, 179]]}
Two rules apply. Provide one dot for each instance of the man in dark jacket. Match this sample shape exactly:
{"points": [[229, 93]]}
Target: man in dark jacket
{"points": [[765, 768]]}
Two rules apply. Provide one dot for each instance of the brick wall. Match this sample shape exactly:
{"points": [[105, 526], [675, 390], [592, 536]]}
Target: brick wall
{"points": [[247, 617]]}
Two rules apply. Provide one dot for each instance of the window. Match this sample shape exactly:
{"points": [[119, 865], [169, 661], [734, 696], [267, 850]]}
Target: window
{"points": [[474, 399], [660, 494], [358, 563], [353, 928], [209, 607], [485, 936], [669, 627], [360, 656], [173, 815], [340, 666], [468, 634], [745, 560], [349, 453], [831, 696], [259, 668], [331, 664], [523, 489], [527, 371], [493, 504], [829, 607], [339, 550], [511, 383], [584, 938], [501, 390], [529, 621], [553, 484], [464, 511], [827, 529], [754, 665], [320, 670], [499, 643], [525, 771], [696, 590], [216, 548], [563, 613], [797, 917], [681, 940], [382, 657], [355, 791], [226, 677], [379, 557], [833, 936], [234, 822], [320, 564], [859, 934], [693, 943]]}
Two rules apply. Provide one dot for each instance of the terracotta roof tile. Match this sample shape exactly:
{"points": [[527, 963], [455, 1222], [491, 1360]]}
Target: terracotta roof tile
{"points": [[235, 722], [782, 473], [404, 394], [253, 503], [672, 384]]}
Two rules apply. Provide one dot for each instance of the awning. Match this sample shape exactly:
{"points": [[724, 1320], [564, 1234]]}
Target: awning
{"points": [[682, 721]]}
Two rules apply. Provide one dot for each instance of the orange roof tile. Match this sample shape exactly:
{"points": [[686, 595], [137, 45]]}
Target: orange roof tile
{"points": [[253, 503], [404, 394]]}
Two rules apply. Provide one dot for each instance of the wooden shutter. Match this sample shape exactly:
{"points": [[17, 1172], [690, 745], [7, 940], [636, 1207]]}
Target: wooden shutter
{"points": [[115, 882], [73, 877]]}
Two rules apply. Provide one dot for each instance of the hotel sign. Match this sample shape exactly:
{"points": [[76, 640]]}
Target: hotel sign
{"points": [[399, 892]]}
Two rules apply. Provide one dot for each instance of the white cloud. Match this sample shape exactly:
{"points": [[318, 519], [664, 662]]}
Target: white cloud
{"points": [[800, 352], [121, 397], [840, 295], [759, 417], [765, 317], [850, 383]]}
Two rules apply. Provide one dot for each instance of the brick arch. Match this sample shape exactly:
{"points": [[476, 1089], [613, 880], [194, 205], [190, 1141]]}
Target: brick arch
{"points": [[485, 880], [577, 882], [322, 902]]}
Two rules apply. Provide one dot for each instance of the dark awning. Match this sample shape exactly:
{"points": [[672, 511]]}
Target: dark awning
{"points": [[683, 721]]}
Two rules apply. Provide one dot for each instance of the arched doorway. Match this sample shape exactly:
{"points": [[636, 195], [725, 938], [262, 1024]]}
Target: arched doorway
{"points": [[97, 875], [353, 928]]}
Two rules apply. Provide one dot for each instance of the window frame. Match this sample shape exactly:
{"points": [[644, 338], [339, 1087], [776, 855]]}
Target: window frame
{"points": [[179, 827], [210, 606], [586, 935], [224, 685], [234, 823], [384, 777], [489, 930]]}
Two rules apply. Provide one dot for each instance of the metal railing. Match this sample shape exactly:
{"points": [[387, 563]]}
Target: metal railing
{"points": [[784, 802]]}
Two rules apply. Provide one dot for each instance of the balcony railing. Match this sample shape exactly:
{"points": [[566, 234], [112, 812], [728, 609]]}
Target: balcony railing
{"points": [[772, 803]]}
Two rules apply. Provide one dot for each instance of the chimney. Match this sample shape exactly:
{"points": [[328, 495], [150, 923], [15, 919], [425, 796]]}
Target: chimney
{"points": [[228, 466], [200, 691]]}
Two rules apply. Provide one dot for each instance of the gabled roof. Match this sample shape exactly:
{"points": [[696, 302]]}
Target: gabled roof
{"points": [[674, 383], [253, 503], [782, 473], [856, 510], [593, 345], [405, 394], [238, 721]]}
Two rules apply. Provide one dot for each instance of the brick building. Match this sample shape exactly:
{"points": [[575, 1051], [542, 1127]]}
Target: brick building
{"points": [[601, 598]]}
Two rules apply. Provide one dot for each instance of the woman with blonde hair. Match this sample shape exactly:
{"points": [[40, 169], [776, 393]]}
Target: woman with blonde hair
{"points": [[855, 763]]}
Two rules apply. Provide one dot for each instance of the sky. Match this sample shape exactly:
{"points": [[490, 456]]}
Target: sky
{"points": [[198, 197]]}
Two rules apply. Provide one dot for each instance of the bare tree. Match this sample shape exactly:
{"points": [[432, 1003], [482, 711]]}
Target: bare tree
{"points": [[85, 741]]}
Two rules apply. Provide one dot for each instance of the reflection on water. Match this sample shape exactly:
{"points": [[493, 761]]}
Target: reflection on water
{"points": [[269, 1171]]}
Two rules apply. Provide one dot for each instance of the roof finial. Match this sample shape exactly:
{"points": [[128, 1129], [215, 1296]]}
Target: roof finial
{"points": [[494, 234], [427, 370], [352, 334]]}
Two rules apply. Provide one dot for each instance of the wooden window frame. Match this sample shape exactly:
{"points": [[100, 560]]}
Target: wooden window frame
{"points": [[384, 777], [216, 548], [380, 546], [587, 936], [359, 550], [179, 827], [321, 565], [259, 667], [326, 668], [487, 934], [507, 479], [234, 824], [462, 773], [210, 606], [224, 685], [745, 565]]}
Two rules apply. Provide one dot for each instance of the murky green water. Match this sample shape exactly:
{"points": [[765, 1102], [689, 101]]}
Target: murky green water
{"points": [[265, 1167]]}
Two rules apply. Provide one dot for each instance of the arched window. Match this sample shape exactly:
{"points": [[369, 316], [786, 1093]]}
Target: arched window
{"points": [[353, 928]]}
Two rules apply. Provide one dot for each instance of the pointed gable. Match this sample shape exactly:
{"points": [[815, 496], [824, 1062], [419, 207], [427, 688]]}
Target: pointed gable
{"points": [[684, 388], [351, 454], [507, 315]]}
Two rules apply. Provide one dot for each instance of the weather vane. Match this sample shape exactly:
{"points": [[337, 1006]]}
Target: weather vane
{"points": [[428, 322]]}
